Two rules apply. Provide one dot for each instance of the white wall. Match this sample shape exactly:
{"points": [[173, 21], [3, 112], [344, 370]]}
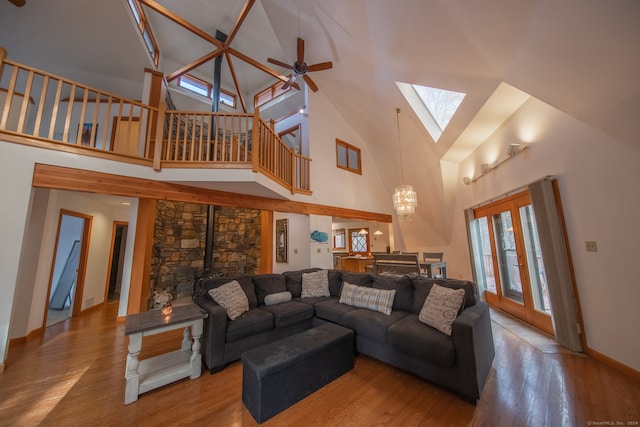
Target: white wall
{"points": [[334, 186], [598, 179], [299, 243], [320, 254], [103, 215]]}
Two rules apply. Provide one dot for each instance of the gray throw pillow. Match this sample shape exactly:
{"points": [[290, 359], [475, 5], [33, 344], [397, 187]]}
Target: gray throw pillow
{"points": [[441, 308], [279, 298], [364, 297], [315, 284], [232, 298]]}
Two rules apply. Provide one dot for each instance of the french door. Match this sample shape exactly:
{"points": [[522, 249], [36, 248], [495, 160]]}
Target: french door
{"points": [[509, 260]]}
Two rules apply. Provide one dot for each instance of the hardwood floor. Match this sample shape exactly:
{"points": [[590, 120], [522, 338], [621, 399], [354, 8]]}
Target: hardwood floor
{"points": [[74, 375]]}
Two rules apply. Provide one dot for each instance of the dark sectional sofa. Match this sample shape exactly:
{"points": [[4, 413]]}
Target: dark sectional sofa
{"points": [[460, 362]]}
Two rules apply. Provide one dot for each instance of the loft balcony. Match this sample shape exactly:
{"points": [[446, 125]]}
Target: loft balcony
{"points": [[40, 109]]}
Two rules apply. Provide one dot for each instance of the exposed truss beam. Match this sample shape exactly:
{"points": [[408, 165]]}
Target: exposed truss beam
{"points": [[195, 64], [235, 81], [182, 22], [236, 27], [259, 66]]}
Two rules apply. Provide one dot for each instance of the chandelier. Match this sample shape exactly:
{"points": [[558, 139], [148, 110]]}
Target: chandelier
{"points": [[405, 199]]}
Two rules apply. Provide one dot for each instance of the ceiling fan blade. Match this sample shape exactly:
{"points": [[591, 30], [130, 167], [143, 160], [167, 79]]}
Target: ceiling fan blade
{"points": [[300, 50], [18, 3], [279, 63], [319, 67], [289, 82], [310, 83]]}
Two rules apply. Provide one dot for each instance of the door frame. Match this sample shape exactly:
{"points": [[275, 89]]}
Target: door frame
{"points": [[82, 263], [116, 224], [526, 310]]}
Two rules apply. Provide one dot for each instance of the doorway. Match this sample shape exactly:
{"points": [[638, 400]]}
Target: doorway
{"points": [[68, 267], [509, 260], [116, 261]]}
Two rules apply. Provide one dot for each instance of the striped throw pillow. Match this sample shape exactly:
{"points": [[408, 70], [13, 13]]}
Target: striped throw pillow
{"points": [[363, 297]]}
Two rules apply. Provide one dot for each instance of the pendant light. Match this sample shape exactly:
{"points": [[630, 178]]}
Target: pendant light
{"points": [[405, 199]]}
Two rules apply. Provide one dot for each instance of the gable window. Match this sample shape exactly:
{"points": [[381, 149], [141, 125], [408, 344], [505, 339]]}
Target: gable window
{"points": [[145, 30], [201, 87], [272, 92], [348, 157]]}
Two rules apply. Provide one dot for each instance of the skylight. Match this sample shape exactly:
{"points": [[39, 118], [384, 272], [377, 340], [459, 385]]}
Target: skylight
{"points": [[435, 107]]}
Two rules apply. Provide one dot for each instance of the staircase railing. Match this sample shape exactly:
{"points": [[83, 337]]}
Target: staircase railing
{"points": [[39, 108]]}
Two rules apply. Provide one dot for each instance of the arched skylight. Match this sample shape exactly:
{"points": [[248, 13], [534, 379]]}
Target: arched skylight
{"points": [[435, 107]]}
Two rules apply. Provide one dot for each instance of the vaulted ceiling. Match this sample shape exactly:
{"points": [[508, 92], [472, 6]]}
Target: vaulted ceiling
{"points": [[581, 57]]}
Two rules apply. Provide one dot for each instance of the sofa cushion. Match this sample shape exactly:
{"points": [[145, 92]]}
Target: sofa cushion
{"points": [[441, 308], [332, 310], [294, 280], [315, 284], [402, 285], [268, 284], [250, 323], [232, 298], [371, 324], [279, 298], [358, 279], [246, 282], [289, 313], [410, 336], [363, 297], [422, 287]]}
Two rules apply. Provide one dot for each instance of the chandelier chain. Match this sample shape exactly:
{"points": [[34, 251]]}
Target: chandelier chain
{"points": [[399, 143]]}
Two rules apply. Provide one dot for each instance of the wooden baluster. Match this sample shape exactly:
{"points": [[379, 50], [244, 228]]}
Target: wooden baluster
{"points": [[7, 103], [54, 112], [67, 121], [25, 102], [43, 96]]}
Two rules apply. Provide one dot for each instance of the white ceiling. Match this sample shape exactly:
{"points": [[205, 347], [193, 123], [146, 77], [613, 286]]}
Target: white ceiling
{"points": [[580, 56]]}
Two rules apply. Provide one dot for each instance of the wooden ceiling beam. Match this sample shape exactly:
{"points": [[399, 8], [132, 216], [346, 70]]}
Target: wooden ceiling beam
{"points": [[63, 178], [235, 81], [182, 22], [236, 27], [195, 64], [259, 66]]}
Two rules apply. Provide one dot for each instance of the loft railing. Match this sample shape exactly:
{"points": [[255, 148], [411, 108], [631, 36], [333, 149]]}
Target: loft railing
{"points": [[42, 109]]}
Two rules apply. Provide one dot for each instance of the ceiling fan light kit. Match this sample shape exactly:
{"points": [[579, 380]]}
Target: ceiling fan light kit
{"points": [[300, 68]]}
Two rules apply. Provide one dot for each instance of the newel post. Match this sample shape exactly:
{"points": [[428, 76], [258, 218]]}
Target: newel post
{"points": [[255, 140], [159, 137]]}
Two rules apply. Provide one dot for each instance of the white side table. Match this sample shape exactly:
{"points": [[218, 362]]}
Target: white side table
{"points": [[148, 374]]}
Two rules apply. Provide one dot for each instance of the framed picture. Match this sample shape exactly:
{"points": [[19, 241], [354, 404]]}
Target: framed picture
{"points": [[85, 137], [282, 240]]}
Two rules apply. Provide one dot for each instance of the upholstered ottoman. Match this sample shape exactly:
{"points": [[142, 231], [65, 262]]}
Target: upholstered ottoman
{"points": [[281, 373]]}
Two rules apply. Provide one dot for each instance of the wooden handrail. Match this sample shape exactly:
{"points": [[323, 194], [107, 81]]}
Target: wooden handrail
{"points": [[46, 110]]}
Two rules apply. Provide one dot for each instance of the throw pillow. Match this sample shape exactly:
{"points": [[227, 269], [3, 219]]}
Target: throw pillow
{"points": [[441, 308], [279, 298], [364, 297], [232, 298], [315, 284]]}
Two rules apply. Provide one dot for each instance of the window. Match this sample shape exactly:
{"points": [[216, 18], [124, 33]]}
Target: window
{"points": [[358, 243], [338, 239], [201, 87], [145, 30], [435, 107], [348, 157], [272, 92]]}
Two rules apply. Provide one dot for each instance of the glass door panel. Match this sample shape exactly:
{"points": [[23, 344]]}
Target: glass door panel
{"points": [[537, 276], [505, 240], [481, 243], [508, 264]]}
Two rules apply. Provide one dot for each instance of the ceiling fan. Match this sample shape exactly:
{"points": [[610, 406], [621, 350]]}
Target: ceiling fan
{"points": [[300, 68], [18, 3]]}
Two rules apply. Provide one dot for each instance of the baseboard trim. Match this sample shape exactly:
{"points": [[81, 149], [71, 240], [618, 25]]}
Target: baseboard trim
{"points": [[92, 308], [19, 340], [627, 370]]}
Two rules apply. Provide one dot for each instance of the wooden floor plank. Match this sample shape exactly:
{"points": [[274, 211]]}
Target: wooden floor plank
{"points": [[74, 375]]}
